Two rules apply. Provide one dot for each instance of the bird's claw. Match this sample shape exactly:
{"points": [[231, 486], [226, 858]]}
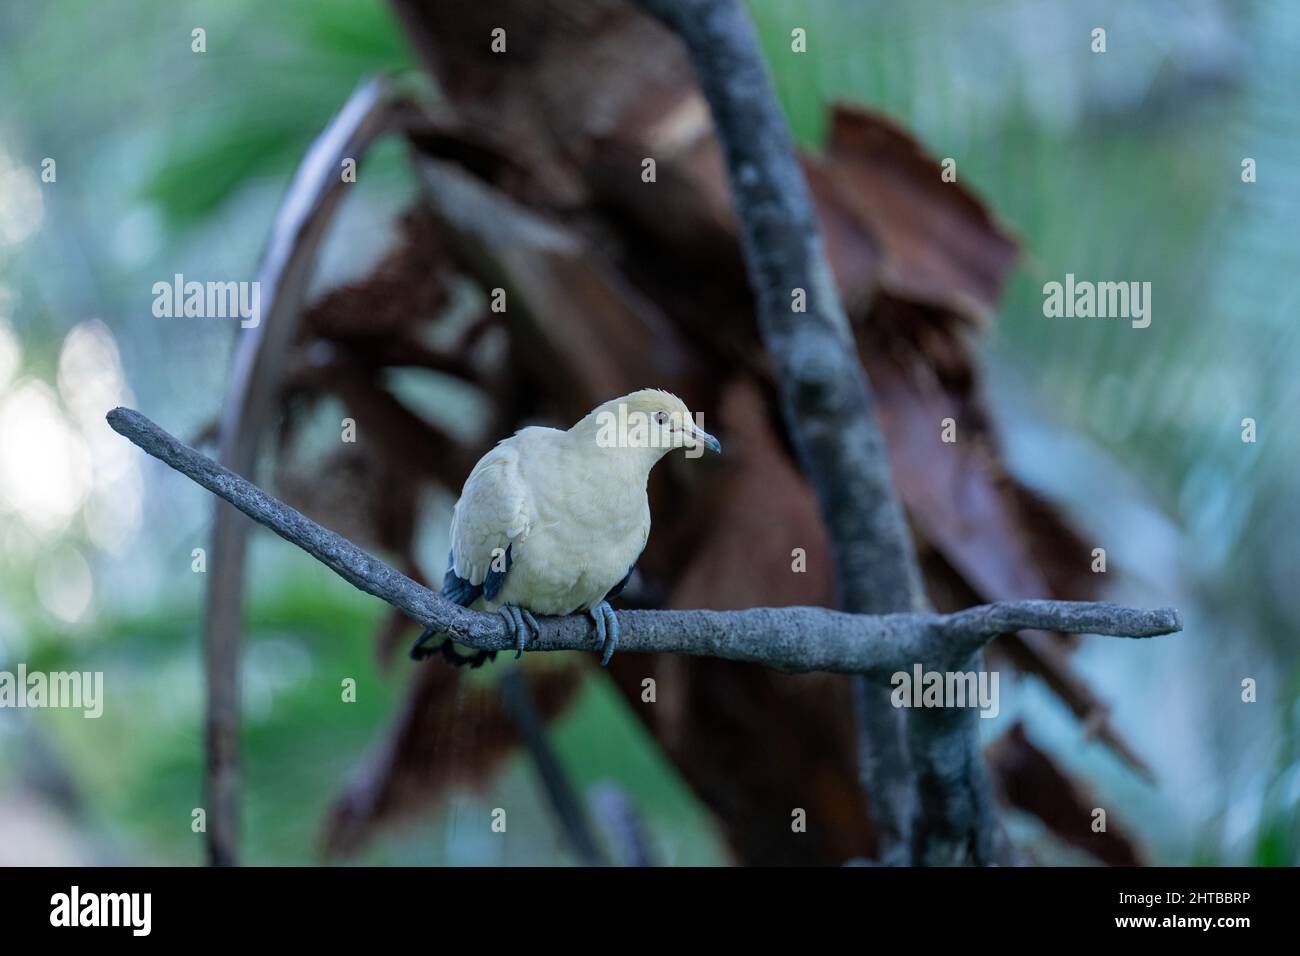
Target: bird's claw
{"points": [[533, 627], [520, 623], [418, 650], [606, 631]]}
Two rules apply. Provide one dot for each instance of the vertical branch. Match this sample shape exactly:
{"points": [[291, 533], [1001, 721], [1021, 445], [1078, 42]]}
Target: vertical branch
{"points": [[565, 802], [623, 825], [830, 413], [299, 228], [885, 768]]}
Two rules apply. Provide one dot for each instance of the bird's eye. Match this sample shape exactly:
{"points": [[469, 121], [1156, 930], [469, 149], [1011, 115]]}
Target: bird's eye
{"points": [[661, 418]]}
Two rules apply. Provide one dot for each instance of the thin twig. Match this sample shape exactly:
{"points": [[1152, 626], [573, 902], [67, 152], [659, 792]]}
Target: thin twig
{"points": [[565, 802], [622, 824]]}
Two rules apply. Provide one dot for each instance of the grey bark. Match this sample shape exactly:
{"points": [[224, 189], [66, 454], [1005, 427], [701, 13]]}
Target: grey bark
{"points": [[827, 401], [794, 639], [300, 226]]}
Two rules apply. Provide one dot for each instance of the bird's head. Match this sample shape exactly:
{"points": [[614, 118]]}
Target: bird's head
{"points": [[651, 422]]}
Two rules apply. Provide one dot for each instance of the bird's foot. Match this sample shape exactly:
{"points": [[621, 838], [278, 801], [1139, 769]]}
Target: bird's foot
{"points": [[519, 623], [606, 630], [421, 652]]}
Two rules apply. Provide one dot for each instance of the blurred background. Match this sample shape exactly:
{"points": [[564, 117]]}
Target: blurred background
{"points": [[1123, 165]]}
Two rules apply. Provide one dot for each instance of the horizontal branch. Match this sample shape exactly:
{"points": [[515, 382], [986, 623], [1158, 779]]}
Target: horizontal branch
{"points": [[792, 639]]}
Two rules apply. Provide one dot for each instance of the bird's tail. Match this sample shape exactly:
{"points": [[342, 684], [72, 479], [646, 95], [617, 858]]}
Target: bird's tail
{"points": [[447, 649]]}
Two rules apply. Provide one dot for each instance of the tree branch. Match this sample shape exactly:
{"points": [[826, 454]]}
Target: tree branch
{"points": [[795, 639], [300, 226], [568, 807], [827, 401]]}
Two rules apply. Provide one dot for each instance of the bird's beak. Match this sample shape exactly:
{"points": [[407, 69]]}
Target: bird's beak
{"points": [[705, 439]]}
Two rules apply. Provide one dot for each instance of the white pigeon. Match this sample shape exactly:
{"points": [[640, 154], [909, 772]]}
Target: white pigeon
{"points": [[552, 522]]}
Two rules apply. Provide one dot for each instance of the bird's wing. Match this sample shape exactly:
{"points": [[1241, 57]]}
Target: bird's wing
{"points": [[617, 589], [495, 512]]}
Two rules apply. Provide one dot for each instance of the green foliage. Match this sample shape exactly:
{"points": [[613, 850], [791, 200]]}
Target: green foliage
{"points": [[312, 55]]}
